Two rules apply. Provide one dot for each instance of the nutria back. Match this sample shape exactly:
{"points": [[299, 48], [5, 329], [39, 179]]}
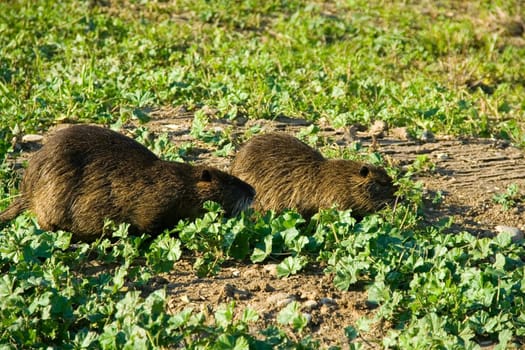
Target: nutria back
{"points": [[84, 174], [287, 173]]}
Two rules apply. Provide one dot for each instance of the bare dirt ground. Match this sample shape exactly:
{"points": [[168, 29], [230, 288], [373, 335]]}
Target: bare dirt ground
{"points": [[468, 172]]}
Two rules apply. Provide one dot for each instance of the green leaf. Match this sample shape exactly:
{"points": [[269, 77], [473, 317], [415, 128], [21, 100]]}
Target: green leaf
{"points": [[249, 315], [263, 249], [351, 333], [230, 342], [503, 239], [180, 319], [224, 315], [141, 115], [363, 324], [291, 315], [504, 337], [348, 271], [291, 265], [163, 252], [500, 262]]}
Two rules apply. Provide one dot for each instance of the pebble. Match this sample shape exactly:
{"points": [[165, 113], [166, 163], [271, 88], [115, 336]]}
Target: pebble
{"points": [[442, 156], [280, 299], [310, 305], [174, 127], [32, 138], [284, 302], [328, 301], [515, 233], [427, 136]]}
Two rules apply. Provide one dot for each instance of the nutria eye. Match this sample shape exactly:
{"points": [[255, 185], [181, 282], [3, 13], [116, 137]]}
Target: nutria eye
{"points": [[206, 175], [364, 171]]}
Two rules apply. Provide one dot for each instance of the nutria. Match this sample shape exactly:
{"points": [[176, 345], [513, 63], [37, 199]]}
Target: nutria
{"points": [[84, 174], [287, 173]]}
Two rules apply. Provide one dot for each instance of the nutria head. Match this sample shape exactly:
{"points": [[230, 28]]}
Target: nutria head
{"points": [[233, 194], [378, 185], [362, 187]]}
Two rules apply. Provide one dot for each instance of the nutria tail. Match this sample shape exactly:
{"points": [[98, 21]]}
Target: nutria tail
{"points": [[13, 210]]}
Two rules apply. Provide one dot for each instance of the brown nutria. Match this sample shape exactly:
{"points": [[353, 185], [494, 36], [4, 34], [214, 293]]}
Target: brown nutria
{"points": [[84, 174], [287, 173]]}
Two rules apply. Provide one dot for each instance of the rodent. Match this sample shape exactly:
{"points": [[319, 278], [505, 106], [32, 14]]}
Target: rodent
{"points": [[288, 174], [84, 174]]}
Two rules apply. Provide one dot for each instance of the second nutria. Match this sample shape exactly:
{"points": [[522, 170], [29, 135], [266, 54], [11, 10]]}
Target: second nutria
{"points": [[287, 173], [84, 174]]}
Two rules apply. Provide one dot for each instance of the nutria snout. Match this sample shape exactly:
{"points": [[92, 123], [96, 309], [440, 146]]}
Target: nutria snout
{"points": [[287, 173], [84, 174]]}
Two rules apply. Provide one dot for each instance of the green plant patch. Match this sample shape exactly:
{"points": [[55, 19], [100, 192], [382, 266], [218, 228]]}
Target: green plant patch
{"points": [[510, 198], [464, 288], [421, 66]]}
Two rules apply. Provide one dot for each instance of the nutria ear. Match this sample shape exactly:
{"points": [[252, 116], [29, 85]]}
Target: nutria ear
{"points": [[206, 175], [364, 171]]}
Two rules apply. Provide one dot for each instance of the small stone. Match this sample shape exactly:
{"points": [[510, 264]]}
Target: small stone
{"points": [[231, 291], [240, 121], [324, 123], [427, 136], [310, 295], [174, 127], [32, 138], [284, 302], [442, 156], [328, 301], [209, 110], [236, 273], [515, 233], [279, 299], [185, 299], [310, 305]]}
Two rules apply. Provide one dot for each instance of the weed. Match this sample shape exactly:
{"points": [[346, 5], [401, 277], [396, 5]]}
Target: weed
{"points": [[510, 198]]}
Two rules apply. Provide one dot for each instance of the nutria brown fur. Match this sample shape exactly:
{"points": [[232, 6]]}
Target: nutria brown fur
{"points": [[84, 174], [287, 173]]}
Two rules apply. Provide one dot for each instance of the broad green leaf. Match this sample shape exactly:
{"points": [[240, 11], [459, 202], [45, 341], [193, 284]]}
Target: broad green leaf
{"points": [[291, 265]]}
